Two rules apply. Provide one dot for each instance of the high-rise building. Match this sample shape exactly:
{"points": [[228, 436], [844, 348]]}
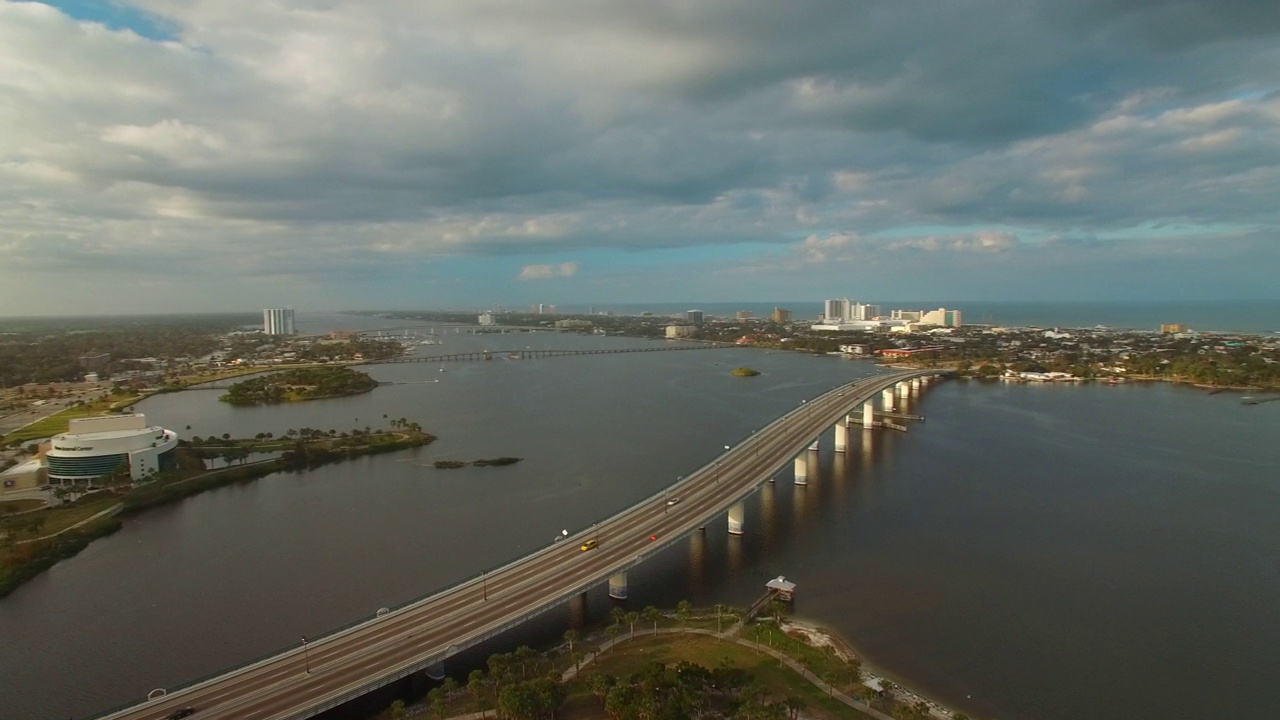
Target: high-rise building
{"points": [[745, 315], [942, 316], [781, 315], [837, 310], [278, 321], [865, 312], [693, 316], [1171, 328]]}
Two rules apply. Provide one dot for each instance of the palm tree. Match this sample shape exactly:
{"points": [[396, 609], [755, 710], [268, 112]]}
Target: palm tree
{"points": [[617, 615], [613, 631], [682, 612], [570, 636], [632, 617], [653, 614]]}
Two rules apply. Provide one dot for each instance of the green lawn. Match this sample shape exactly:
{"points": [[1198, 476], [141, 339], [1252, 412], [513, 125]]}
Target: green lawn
{"points": [[56, 519], [709, 652]]}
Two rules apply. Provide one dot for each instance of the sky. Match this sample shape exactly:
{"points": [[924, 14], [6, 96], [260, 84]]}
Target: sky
{"points": [[227, 155]]}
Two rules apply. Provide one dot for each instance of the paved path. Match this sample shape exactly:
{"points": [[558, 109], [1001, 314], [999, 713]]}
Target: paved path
{"points": [[105, 513], [786, 660]]}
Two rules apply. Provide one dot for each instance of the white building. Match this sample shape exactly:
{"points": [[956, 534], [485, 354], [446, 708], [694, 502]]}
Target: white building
{"points": [[278, 321], [486, 318], [97, 446], [942, 316], [837, 310], [681, 331]]}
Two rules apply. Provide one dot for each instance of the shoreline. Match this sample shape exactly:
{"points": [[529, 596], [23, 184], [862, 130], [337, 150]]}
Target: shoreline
{"points": [[820, 635]]}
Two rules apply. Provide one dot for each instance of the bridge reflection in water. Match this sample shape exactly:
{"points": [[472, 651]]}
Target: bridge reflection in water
{"points": [[302, 682]]}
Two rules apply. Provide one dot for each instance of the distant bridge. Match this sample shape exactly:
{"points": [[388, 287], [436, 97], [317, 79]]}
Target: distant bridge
{"points": [[526, 354], [530, 354]]}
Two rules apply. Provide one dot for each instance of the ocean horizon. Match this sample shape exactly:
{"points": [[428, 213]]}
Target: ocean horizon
{"points": [[1241, 316]]}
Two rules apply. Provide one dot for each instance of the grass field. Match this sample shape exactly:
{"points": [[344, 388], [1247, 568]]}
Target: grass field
{"points": [[709, 652]]}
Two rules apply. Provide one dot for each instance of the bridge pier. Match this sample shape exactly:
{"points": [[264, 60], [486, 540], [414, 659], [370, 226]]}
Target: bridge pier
{"points": [[435, 670], [842, 435], [802, 469], [618, 586], [886, 399], [869, 414], [814, 445], [737, 514], [916, 384]]}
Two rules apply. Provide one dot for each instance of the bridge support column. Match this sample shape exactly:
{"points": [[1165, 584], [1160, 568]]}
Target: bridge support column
{"points": [[842, 435], [902, 388], [802, 469], [737, 514], [916, 385], [869, 414], [435, 670], [886, 399], [814, 445], [618, 586]]}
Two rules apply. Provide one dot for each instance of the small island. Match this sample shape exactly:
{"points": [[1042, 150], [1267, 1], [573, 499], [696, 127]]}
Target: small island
{"points": [[483, 462], [745, 372], [312, 383]]}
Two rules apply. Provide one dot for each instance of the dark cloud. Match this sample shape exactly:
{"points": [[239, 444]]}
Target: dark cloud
{"points": [[347, 140]]}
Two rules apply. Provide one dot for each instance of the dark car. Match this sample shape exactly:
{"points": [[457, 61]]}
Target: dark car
{"points": [[181, 713]]}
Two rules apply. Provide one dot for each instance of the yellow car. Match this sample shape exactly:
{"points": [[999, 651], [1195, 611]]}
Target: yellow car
{"points": [[590, 545]]}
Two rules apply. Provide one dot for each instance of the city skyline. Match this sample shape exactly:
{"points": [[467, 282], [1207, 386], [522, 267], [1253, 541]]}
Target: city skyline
{"points": [[224, 156]]}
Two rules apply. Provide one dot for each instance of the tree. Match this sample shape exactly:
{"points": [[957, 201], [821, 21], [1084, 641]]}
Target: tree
{"points": [[476, 687], [570, 637], [682, 612], [794, 705], [600, 684], [632, 617], [523, 655], [653, 614], [396, 711], [613, 631]]}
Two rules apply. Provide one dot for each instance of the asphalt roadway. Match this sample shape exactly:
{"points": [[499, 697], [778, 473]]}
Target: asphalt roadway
{"points": [[301, 682]]}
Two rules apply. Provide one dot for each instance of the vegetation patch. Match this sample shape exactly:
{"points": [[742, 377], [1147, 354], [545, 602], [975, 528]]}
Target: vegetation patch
{"points": [[497, 461], [483, 462], [745, 372], [310, 383]]}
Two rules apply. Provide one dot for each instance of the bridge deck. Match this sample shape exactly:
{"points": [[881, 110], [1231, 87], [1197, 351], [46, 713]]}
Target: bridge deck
{"points": [[353, 661]]}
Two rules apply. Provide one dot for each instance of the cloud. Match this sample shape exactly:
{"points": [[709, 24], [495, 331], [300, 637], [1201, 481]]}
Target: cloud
{"points": [[546, 272], [332, 141]]}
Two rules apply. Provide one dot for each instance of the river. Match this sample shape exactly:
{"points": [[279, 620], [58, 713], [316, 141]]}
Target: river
{"points": [[1027, 552]]}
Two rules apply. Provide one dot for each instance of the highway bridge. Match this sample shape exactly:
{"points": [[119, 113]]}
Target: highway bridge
{"points": [[326, 672], [529, 353]]}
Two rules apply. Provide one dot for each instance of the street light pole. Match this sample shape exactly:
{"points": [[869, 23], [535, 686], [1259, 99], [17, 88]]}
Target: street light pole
{"points": [[484, 586], [306, 657]]}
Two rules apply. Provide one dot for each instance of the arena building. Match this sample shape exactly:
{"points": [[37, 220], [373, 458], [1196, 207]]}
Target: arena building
{"points": [[97, 446]]}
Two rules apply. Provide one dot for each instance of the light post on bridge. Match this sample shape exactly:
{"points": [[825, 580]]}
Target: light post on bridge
{"points": [[484, 586], [306, 657]]}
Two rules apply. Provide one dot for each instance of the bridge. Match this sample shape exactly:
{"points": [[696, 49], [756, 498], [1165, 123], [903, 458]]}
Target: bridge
{"points": [[526, 354], [326, 672], [530, 354]]}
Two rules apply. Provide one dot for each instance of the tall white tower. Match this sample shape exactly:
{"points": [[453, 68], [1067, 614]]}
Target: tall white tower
{"points": [[278, 321]]}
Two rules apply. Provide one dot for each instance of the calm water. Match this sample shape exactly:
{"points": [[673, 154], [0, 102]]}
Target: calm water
{"points": [[1051, 551]]}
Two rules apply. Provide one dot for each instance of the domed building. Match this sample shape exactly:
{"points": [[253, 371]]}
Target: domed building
{"points": [[97, 446]]}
